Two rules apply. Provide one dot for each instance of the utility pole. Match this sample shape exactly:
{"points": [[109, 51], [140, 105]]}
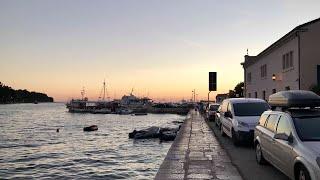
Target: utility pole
{"points": [[194, 95]]}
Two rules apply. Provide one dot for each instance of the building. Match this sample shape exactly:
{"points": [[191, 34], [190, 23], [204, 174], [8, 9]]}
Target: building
{"points": [[292, 62]]}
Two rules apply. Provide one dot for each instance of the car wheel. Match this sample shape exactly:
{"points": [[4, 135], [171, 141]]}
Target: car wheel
{"points": [[221, 131], [259, 156], [303, 174], [235, 139]]}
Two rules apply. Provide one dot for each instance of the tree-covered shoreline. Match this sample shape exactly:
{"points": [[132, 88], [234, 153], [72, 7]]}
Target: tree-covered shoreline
{"points": [[9, 96]]}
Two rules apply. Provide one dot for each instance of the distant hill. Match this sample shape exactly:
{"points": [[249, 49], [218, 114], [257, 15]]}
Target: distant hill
{"points": [[9, 95]]}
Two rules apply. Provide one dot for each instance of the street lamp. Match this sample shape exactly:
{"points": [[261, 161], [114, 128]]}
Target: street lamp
{"points": [[274, 77]]}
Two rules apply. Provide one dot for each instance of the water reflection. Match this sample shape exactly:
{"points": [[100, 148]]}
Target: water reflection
{"points": [[30, 147]]}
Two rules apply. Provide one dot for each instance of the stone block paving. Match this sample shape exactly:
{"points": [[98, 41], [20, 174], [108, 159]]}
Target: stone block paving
{"points": [[196, 154]]}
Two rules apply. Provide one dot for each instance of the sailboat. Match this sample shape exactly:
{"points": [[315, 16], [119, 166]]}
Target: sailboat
{"points": [[102, 106]]}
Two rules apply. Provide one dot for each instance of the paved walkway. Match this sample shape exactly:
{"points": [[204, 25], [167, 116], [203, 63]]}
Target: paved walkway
{"points": [[196, 154]]}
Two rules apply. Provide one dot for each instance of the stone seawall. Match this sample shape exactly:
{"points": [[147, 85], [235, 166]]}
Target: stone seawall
{"points": [[196, 154]]}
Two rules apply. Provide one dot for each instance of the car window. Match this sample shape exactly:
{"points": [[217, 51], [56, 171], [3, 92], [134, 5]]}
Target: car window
{"points": [[284, 126], [250, 108], [272, 120], [308, 128], [214, 107], [224, 106], [263, 119], [229, 107]]}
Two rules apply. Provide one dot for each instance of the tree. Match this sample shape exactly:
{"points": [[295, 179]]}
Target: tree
{"points": [[239, 89], [231, 94], [315, 89]]}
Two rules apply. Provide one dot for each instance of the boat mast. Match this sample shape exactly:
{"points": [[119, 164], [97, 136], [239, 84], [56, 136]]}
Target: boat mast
{"points": [[82, 93], [131, 93], [104, 89]]}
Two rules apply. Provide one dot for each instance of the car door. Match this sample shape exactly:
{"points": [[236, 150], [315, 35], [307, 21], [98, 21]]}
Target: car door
{"points": [[267, 137], [282, 149], [218, 115], [223, 119], [228, 121]]}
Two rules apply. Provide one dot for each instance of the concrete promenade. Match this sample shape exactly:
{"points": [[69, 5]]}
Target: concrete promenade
{"points": [[196, 154]]}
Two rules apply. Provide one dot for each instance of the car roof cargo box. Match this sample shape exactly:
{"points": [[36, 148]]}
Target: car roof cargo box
{"points": [[294, 98]]}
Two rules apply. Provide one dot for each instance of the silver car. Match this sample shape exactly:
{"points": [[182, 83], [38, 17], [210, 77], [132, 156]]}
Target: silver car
{"points": [[211, 112], [290, 141]]}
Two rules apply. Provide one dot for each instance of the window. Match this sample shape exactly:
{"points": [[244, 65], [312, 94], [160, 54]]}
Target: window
{"points": [[229, 107], [213, 107], [219, 109], [263, 71], [291, 59], [224, 106], [264, 95], [271, 123], [263, 119], [249, 95], [308, 128], [249, 77], [287, 60], [255, 94], [283, 61], [250, 109], [284, 126]]}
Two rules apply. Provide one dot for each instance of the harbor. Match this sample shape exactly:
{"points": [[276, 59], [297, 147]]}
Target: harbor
{"points": [[128, 104]]}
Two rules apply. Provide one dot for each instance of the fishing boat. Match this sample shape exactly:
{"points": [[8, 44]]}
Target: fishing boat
{"points": [[83, 105], [136, 104]]}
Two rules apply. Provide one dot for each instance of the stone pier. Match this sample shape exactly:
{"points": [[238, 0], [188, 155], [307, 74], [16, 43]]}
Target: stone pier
{"points": [[196, 154]]}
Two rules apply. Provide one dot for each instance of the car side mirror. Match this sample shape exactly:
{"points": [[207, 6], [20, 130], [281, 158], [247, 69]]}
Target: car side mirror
{"points": [[228, 114], [284, 137], [290, 138]]}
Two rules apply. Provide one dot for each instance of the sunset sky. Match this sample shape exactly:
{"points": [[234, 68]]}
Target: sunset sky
{"points": [[162, 48]]}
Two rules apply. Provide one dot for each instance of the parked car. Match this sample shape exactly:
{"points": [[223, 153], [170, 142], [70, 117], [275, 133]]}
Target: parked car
{"points": [[217, 118], [211, 112], [239, 117], [289, 138]]}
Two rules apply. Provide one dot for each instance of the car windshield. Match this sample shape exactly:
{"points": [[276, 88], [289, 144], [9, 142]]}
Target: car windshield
{"points": [[308, 128], [214, 107], [250, 109]]}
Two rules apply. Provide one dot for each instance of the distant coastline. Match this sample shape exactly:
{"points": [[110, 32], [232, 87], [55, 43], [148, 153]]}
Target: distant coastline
{"points": [[12, 96]]}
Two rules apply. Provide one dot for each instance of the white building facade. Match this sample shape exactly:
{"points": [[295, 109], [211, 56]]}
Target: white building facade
{"points": [[292, 62]]}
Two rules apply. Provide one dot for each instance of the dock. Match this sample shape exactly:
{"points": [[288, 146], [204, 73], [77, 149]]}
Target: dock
{"points": [[196, 154]]}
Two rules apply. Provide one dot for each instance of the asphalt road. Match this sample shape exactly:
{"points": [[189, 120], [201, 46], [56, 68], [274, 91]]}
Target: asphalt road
{"points": [[243, 157]]}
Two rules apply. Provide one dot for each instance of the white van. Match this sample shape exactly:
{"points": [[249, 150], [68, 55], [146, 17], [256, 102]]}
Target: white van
{"points": [[239, 117]]}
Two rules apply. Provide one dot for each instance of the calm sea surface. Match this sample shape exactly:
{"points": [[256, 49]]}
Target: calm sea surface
{"points": [[30, 147]]}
